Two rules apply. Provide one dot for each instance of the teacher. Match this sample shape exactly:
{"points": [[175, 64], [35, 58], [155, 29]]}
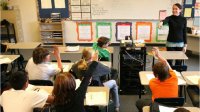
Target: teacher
{"points": [[176, 40]]}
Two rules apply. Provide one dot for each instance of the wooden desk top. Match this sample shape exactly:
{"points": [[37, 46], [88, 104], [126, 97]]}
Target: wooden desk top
{"points": [[90, 89], [7, 59], [23, 45], [173, 55], [191, 77], [191, 109], [145, 77], [63, 49]]}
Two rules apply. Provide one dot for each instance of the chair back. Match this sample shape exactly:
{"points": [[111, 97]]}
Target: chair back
{"points": [[41, 82], [178, 101]]}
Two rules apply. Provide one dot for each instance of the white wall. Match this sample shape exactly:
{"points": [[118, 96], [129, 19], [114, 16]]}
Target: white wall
{"points": [[29, 20]]}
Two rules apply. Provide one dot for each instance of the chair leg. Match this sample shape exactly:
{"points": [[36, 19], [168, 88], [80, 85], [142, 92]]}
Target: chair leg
{"points": [[185, 93]]}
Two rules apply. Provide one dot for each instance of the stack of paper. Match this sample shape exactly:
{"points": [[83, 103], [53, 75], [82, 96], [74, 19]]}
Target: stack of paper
{"points": [[96, 98], [72, 48]]}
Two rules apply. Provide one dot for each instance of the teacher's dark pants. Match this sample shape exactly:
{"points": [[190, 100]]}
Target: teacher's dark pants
{"points": [[177, 62]]}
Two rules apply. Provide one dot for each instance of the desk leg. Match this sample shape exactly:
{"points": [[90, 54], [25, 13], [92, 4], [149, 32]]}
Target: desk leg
{"points": [[153, 61], [180, 91], [185, 93], [140, 91], [107, 108]]}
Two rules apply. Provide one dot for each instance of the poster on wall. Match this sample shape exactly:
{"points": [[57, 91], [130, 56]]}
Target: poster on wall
{"points": [[84, 31], [144, 31], [123, 29], [103, 29], [162, 33]]}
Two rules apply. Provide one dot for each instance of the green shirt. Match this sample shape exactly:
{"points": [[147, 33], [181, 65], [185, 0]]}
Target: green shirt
{"points": [[103, 53]]}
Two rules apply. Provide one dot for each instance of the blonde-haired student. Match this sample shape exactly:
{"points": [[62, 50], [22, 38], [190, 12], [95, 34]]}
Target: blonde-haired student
{"points": [[101, 70]]}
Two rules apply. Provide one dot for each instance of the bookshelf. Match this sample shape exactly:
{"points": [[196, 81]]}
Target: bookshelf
{"points": [[51, 33]]}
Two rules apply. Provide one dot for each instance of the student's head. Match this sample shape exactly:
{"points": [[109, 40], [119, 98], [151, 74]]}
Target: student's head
{"points": [[19, 80], [176, 9], [161, 71], [89, 54], [181, 110], [64, 88], [103, 42], [40, 55]]}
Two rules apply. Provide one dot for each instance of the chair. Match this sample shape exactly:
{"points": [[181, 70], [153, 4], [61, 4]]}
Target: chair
{"points": [[8, 32], [180, 68], [193, 92], [41, 82], [178, 101]]}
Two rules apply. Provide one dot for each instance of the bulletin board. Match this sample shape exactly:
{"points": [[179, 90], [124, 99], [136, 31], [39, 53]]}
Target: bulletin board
{"points": [[46, 7]]}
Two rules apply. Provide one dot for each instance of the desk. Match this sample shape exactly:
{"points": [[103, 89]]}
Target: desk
{"points": [[66, 66], [191, 109], [191, 77], [9, 58], [179, 55], [172, 55], [49, 89], [145, 77], [23, 45]]}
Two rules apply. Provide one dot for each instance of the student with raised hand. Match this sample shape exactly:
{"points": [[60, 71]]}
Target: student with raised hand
{"points": [[19, 100], [165, 83], [67, 99], [101, 70], [100, 46], [39, 66], [177, 37]]}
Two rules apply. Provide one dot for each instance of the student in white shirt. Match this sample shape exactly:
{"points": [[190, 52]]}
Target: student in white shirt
{"points": [[39, 66], [19, 100]]}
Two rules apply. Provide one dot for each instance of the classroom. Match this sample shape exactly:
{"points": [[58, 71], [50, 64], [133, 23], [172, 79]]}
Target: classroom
{"points": [[100, 55]]}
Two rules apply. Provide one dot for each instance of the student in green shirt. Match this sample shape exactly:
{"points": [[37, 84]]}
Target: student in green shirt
{"points": [[100, 46]]}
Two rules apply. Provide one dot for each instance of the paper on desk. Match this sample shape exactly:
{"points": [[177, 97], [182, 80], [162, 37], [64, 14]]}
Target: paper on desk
{"points": [[72, 48], [194, 79], [1, 56], [150, 76], [166, 109], [96, 98], [5, 60]]}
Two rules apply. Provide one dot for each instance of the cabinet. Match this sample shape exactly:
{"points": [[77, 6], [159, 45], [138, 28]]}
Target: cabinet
{"points": [[132, 61], [51, 33]]}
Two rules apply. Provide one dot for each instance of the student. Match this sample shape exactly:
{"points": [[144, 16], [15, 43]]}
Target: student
{"points": [[19, 100], [176, 40], [181, 110], [101, 70], [165, 83], [67, 99], [39, 66], [100, 46]]}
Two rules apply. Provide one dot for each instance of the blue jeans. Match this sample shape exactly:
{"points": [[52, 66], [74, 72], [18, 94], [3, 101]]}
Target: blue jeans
{"points": [[114, 91]]}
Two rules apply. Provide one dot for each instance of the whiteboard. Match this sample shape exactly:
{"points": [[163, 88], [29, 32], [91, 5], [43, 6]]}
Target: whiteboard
{"points": [[129, 9], [71, 36]]}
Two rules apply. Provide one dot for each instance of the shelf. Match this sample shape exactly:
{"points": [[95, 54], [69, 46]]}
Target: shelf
{"points": [[50, 30], [52, 38], [53, 23], [51, 33]]}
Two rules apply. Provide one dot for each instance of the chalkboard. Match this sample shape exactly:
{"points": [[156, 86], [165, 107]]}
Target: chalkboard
{"points": [[46, 13], [129, 9]]}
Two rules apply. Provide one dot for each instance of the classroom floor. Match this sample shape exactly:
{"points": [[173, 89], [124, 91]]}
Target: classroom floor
{"points": [[128, 101]]}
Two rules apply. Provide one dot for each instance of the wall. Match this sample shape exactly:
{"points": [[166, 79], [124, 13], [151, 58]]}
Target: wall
{"points": [[30, 26]]}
